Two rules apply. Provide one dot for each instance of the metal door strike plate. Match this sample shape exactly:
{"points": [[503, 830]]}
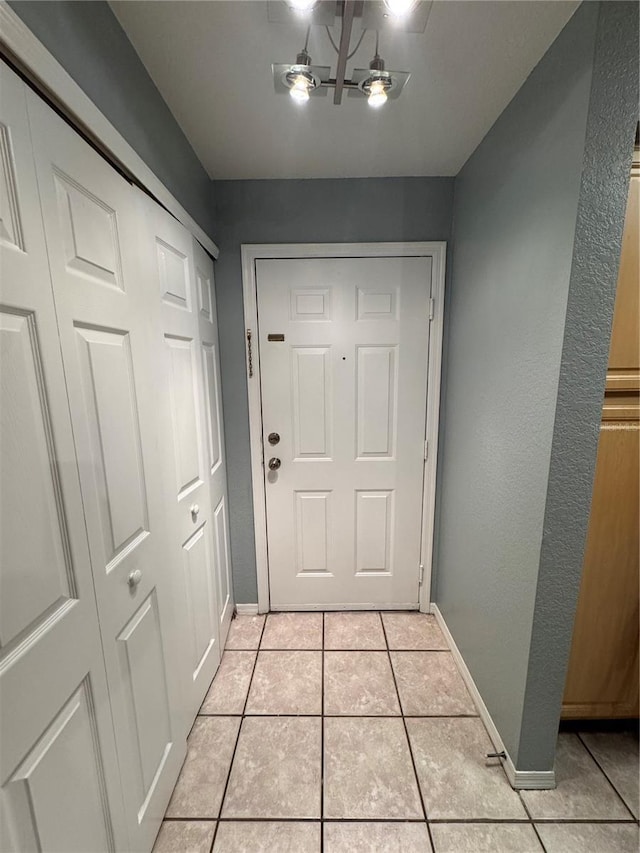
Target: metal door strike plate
{"points": [[277, 337]]}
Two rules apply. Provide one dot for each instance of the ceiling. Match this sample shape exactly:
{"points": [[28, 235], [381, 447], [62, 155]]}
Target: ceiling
{"points": [[212, 61]]}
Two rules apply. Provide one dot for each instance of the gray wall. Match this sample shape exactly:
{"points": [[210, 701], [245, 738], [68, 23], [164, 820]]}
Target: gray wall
{"points": [[297, 211], [529, 326], [88, 41]]}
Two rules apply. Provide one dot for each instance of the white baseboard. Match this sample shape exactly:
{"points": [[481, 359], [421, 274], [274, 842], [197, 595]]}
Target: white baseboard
{"points": [[521, 779], [247, 609]]}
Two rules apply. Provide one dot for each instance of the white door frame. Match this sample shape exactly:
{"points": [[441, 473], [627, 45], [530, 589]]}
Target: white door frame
{"points": [[250, 254]]}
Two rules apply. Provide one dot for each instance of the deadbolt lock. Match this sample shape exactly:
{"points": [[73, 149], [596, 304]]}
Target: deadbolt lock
{"points": [[274, 438], [274, 463]]}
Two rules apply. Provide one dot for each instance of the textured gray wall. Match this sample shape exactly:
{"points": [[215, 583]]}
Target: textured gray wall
{"points": [[87, 40], [514, 220], [613, 116], [297, 211], [508, 458]]}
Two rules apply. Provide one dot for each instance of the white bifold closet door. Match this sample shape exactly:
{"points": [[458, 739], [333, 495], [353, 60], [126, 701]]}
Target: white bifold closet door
{"points": [[189, 421], [59, 776], [106, 330]]}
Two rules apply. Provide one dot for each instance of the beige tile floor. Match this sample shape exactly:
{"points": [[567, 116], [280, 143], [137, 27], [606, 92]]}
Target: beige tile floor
{"points": [[354, 733]]}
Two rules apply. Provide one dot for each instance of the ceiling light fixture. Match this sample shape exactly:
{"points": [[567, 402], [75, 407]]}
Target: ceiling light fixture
{"points": [[300, 79], [376, 86], [400, 8], [301, 5]]}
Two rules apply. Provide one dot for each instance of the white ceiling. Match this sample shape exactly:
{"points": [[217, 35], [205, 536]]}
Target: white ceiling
{"points": [[212, 60]]}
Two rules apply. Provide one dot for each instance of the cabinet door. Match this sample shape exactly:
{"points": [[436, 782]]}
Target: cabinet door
{"points": [[182, 426], [602, 680], [106, 322], [58, 766]]}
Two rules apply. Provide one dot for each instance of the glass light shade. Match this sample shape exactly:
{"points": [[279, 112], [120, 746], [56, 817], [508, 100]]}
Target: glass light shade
{"points": [[377, 94], [400, 8], [302, 5], [300, 89]]}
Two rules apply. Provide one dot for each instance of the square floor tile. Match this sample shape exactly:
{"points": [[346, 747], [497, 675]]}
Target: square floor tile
{"points": [[353, 631], [293, 631], [413, 631], [583, 791], [359, 683], [276, 771], [185, 836], [429, 684], [617, 754], [456, 779], [589, 837], [484, 838], [368, 770], [286, 683], [200, 786], [267, 837], [376, 838], [244, 632], [228, 692]]}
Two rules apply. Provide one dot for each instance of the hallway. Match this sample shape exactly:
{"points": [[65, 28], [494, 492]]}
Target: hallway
{"points": [[352, 732]]}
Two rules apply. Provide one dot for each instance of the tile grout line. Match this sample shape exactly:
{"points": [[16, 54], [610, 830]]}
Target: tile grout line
{"points": [[606, 775], [235, 746], [531, 821], [417, 820], [406, 734]]}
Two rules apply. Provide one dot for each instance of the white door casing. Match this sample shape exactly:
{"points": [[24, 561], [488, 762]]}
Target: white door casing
{"points": [[102, 305], [59, 777], [193, 458], [433, 320], [346, 390]]}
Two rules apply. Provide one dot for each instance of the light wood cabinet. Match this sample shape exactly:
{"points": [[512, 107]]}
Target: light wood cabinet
{"points": [[602, 679]]}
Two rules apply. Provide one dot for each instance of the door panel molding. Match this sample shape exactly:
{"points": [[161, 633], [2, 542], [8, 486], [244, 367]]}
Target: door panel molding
{"points": [[371, 306]]}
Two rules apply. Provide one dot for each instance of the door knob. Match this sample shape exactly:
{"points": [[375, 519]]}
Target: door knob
{"points": [[134, 578], [274, 463], [194, 509]]}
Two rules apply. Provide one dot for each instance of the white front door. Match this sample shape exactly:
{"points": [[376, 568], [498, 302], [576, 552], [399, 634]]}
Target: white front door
{"points": [[344, 347], [105, 312], [60, 785]]}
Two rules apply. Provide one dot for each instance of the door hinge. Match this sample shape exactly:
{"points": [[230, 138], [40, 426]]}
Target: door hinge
{"points": [[432, 307], [421, 576], [426, 450]]}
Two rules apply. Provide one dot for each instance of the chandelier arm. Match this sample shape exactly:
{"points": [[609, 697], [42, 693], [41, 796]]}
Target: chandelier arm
{"points": [[355, 49], [333, 44]]}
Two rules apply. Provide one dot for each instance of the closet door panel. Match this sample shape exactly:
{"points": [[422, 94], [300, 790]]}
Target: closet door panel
{"points": [[184, 428], [216, 473], [59, 780], [106, 317]]}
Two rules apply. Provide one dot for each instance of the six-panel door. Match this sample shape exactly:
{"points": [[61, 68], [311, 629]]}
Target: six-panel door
{"points": [[192, 437], [343, 357], [58, 765], [102, 305]]}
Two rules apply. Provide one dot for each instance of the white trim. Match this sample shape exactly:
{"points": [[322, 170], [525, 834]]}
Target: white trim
{"points": [[520, 779], [247, 609], [325, 608], [251, 253], [24, 45]]}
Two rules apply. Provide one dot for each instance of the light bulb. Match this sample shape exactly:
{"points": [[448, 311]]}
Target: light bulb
{"points": [[300, 89], [400, 8], [302, 5], [377, 94]]}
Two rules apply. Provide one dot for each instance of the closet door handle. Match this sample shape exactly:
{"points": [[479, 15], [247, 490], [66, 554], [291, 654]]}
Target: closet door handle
{"points": [[194, 509], [134, 578]]}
